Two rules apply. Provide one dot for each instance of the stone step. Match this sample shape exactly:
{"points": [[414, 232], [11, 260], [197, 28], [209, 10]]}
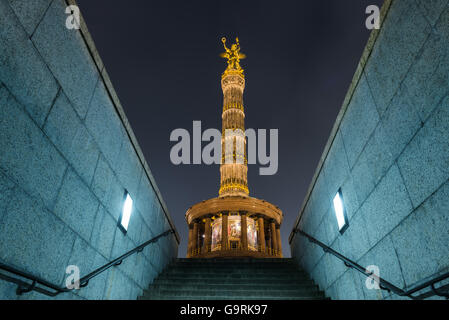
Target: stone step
{"points": [[233, 279], [213, 281], [237, 294], [231, 267], [249, 297], [230, 262], [249, 287], [238, 272], [230, 274], [252, 277], [234, 263], [235, 260]]}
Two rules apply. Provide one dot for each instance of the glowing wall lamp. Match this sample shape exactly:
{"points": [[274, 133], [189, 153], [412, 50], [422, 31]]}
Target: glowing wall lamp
{"points": [[127, 210], [340, 212]]}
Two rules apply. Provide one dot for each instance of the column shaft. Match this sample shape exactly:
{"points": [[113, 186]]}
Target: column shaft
{"points": [[189, 244], [268, 242], [224, 231], [207, 235], [279, 241], [273, 236], [261, 234], [244, 231], [195, 238]]}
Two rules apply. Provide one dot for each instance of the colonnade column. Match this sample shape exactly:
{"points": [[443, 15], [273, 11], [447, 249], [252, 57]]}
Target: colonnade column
{"points": [[244, 230], [207, 235], [261, 234], [278, 237], [189, 244], [224, 230], [195, 237], [273, 236]]}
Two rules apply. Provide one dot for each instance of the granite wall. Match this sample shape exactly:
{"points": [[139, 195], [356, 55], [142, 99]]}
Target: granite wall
{"points": [[389, 154], [67, 156]]}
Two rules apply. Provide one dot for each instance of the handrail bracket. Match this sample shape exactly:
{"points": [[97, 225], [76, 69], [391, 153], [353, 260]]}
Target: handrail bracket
{"points": [[21, 289]]}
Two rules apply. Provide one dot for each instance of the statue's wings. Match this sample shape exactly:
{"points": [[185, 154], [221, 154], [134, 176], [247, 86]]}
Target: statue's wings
{"points": [[242, 55], [224, 55]]}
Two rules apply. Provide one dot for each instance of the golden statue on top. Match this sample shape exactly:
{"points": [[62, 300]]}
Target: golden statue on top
{"points": [[233, 55]]}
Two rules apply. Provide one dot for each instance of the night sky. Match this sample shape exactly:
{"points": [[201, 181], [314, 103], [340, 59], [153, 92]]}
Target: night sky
{"points": [[163, 60]]}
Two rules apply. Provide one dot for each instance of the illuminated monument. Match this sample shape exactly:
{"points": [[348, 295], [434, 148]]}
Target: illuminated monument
{"points": [[234, 224]]}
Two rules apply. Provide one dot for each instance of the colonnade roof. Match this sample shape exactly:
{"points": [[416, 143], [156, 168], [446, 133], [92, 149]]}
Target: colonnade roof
{"points": [[234, 204]]}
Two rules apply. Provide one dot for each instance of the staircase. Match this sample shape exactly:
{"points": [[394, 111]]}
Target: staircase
{"points": [[233, 279]]}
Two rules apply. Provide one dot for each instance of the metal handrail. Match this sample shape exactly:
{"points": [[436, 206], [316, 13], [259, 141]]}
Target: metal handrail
{"points": [[23, 287], [383, 284]]}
